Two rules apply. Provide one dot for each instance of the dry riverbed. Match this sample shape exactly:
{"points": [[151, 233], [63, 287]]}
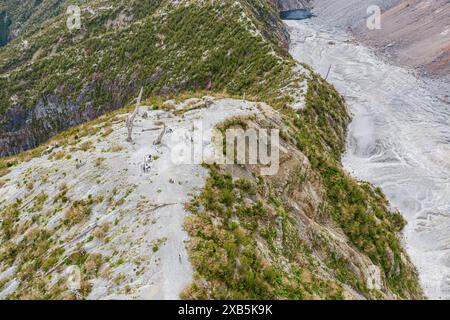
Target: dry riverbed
{"points": [[399, 139]]}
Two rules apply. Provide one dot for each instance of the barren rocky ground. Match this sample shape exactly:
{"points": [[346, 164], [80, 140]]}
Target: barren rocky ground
{"points": [[414, 33], [135, 219]]}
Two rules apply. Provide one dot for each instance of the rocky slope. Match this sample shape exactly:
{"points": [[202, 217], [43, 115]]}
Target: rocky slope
{"points": [[414, 33], [81, 201]]}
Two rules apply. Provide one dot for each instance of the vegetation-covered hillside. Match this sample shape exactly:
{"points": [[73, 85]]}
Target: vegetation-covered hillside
{"points": [[53, 78], [27, 15], [309, 232], [81, 198]]}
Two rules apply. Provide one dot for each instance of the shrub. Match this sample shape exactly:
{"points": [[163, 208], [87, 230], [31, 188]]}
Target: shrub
{"points": [[77, 212]]}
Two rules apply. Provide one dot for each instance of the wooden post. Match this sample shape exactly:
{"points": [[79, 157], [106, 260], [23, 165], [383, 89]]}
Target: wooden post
{"points": [[130, 119], [328, 72], [161, 135]]}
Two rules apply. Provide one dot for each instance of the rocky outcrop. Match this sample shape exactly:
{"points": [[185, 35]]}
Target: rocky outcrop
{"points": [[4, 28]]}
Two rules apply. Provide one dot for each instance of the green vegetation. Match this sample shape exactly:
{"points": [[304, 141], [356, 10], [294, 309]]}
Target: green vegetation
{"points": [[80, 210], [360, 211], [39, 202], [226, 233], [202, 45], [235, 225], [38, 252], [4, 168]]}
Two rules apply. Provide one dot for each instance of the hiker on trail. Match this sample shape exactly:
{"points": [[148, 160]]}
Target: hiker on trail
{"points": [[147, 163]]}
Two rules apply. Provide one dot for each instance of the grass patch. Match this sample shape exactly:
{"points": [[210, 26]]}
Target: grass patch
{"points": [[227, 233]]}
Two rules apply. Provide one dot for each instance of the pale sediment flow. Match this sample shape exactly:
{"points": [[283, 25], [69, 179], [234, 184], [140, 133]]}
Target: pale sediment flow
{"points": [[399, 139]]}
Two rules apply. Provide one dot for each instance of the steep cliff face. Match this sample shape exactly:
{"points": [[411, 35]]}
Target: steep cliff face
{"points": [[4, 28], [56, 78]]}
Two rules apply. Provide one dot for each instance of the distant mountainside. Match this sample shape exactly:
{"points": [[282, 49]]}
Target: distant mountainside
{"points": [[27, 15], [415, 33], [348, 13]]}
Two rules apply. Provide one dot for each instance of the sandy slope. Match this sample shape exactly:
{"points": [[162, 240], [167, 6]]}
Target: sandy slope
{"points": [[145, 212], [415, 33]]}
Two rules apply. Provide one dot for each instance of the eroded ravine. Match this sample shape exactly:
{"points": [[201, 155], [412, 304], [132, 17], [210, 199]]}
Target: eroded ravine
{"points": [[399, 139]]}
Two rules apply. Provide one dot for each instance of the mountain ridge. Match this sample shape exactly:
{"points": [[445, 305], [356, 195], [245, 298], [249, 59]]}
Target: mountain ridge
{"points": [[38, 94], [82, 200]]}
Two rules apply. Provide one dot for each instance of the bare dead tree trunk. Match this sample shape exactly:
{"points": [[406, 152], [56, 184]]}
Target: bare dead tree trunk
{"points": [[151, 129], [130, 119], [161, 135], [328, 72]]}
